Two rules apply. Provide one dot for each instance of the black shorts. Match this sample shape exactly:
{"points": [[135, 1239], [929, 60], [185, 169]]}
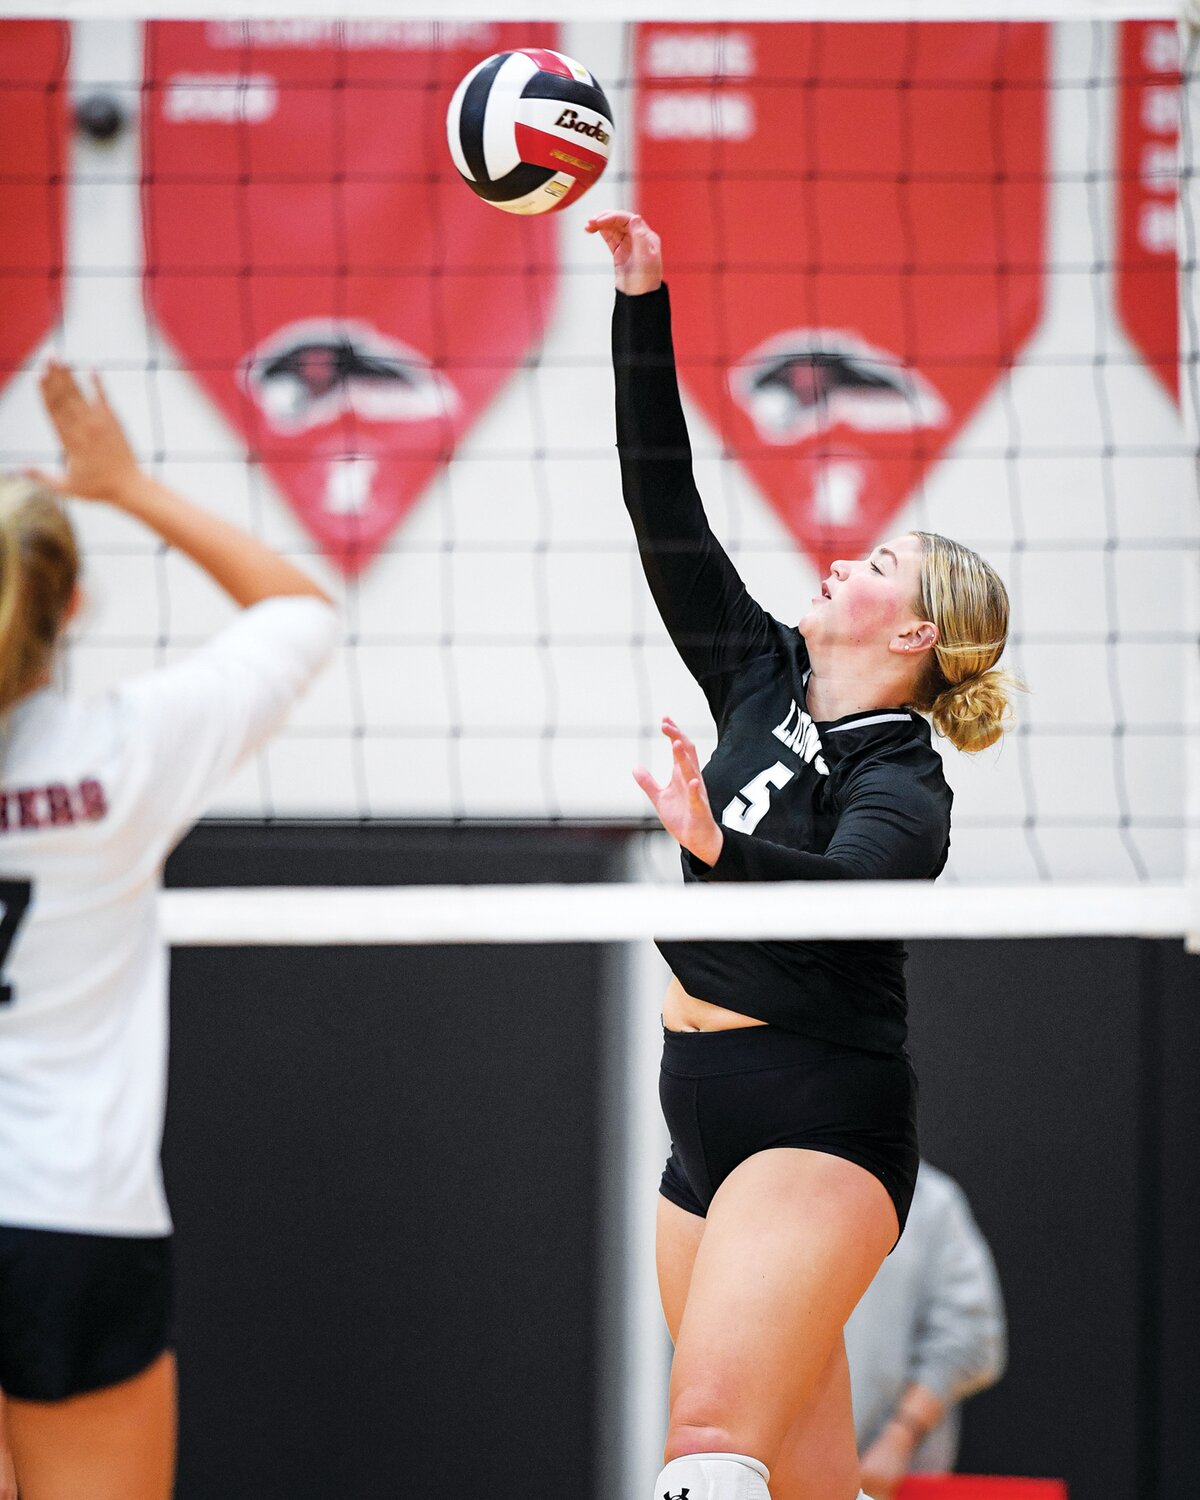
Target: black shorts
{"points": [[729, 1094], [80, 1311]]}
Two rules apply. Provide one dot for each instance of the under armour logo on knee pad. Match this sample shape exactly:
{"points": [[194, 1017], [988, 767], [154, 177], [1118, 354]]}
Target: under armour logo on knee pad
{"points": [[712, 1476]]}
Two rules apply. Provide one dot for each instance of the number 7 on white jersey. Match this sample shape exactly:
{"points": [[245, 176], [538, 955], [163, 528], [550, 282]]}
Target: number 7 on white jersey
{"points": [[751, 805]]}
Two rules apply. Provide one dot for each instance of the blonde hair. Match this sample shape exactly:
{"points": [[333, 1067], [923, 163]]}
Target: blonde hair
{"points": [[962, 690], [39, 565]]}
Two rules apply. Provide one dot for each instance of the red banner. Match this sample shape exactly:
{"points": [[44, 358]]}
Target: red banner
{"points": [[1147, 194], [311, 253], [33, 138], [854, 219]]}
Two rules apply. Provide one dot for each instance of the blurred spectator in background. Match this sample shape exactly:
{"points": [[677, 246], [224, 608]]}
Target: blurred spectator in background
{"points": [[929, 1332]]}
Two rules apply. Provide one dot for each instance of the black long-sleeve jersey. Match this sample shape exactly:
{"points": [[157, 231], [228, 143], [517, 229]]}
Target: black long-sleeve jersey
{"points": [[859, 798]]}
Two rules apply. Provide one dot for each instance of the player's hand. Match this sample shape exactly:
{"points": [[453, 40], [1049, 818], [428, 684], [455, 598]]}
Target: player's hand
{"points": [[885, 1462], [99, 462], [682, 804], [636, 250]]}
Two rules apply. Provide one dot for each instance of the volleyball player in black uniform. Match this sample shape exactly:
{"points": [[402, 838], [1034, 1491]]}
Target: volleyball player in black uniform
{"points": [[789, 1097]]}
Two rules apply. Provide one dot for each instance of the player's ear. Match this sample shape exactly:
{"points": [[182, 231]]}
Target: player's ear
{"points": [[74, 605], [922, 635]]}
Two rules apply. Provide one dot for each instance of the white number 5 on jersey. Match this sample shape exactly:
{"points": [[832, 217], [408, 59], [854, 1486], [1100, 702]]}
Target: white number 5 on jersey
{"points": [[750, 806]]}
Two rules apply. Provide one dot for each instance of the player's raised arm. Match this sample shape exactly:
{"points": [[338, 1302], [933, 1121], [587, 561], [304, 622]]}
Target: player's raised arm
{"points": [[712, 620], [100, 465]]}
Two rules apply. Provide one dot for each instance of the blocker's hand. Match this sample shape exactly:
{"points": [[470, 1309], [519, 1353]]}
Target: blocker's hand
{"points": [[99, 461], [636, 250], [682, 805]]}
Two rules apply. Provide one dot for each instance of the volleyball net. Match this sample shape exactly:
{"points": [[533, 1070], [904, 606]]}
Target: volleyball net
{"points": [[254, 230]]}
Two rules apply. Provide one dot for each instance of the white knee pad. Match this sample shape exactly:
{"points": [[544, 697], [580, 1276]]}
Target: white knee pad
{"points": [[713, 1476]]}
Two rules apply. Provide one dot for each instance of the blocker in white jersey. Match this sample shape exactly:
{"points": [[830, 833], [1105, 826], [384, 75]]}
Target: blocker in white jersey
{"points": [[92, 798]]}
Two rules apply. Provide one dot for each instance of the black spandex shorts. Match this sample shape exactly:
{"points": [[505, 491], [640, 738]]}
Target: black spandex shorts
{"points": [[729, 1094], [80, 1311]]}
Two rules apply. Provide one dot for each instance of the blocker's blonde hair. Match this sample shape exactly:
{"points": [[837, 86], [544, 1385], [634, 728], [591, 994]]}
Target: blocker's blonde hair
{"points": [[39, 565], [965, 694]]}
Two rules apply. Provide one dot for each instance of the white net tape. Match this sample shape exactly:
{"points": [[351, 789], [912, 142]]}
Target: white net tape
{"points": [[324, 916]]}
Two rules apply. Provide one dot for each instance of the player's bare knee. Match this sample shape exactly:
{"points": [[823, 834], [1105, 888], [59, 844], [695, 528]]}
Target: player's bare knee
{"points": [[704, 1415], [684, 1438]]}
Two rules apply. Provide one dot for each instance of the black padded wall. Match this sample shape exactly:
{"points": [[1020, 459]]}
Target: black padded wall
{"points": [[383, 1168]]}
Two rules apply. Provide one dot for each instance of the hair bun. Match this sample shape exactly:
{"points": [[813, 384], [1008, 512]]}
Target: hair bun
{"points": [[974, 713]]}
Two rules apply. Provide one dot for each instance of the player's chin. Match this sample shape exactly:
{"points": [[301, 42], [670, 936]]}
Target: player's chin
{"points": [[810, 622]]}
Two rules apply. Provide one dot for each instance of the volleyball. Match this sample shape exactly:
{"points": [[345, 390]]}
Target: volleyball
{"points": [[530, 131]]}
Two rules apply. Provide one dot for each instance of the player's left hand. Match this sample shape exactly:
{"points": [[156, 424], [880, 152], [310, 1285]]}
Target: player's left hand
{"points": [[682, 804]]}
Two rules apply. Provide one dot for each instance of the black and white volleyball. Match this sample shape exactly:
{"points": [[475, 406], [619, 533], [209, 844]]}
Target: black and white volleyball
{"points": [[529, 130]]}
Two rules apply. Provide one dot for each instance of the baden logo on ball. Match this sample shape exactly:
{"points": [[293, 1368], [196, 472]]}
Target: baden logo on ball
{"points": [[529, 131]]}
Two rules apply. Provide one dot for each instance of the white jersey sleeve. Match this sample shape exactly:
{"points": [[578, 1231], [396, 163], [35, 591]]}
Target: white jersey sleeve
{"points": [[197, 720]]}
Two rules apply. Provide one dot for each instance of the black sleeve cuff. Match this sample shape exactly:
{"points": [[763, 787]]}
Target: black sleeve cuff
{"points": [[730, 863], [746, 858], [642, 324]]}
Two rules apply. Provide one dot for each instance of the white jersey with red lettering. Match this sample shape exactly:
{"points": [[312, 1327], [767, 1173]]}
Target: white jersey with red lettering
{"points": [[93, 796]]}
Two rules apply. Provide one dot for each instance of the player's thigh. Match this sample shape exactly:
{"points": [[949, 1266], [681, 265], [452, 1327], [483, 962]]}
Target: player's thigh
{"points": [[791, 1242], [677, 1238], [113, 1444]]}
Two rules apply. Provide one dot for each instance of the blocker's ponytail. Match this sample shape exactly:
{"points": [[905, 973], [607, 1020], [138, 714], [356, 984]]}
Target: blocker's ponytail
{"points": [[39, 566]]}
